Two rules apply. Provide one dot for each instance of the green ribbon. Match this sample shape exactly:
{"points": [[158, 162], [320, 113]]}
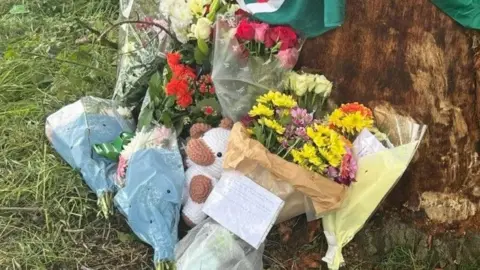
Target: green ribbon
{"points": [[111, 150]]}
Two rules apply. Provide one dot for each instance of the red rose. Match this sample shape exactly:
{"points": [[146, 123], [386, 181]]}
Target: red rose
{"points": [[173, 59], [212, 90], [184, 100], [245, 30], [176, 87], [241, 13], [208, 110], [284, 34]]}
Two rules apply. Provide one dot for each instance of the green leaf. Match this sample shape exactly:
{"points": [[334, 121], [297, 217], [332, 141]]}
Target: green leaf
{"points": [[18, 9], [212, 102], [203, 47], [257, 131], [166, 119], [170, 102], [199, 56], [146, 116], [156, 85], [179, 125]]}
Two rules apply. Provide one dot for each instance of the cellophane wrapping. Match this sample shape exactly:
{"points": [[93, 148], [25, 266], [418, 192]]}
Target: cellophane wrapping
{"points": [[151, 196], [75, 128], [210, 246], [377, 174], [240, 79], [140, 47]]}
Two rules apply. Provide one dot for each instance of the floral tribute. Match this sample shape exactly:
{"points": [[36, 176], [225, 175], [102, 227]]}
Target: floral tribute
{"points": [[180, 97], [291, 132], [261, 39]]}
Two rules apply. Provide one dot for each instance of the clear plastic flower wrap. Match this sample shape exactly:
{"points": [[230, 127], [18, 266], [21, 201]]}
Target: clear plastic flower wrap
{"points": [[382, 160], [76, 128], [152, 174], [245, 69], [210, 246], [140, 46]]}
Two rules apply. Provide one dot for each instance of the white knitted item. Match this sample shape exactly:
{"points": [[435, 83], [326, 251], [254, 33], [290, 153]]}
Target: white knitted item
{"points": [[216, 139], [192, 210]]}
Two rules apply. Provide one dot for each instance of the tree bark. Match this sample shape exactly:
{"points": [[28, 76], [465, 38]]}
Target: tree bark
{"points": [[414, 57]]}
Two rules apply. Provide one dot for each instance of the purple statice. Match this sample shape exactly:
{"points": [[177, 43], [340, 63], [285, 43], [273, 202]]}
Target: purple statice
{"points": [[301, 117]]}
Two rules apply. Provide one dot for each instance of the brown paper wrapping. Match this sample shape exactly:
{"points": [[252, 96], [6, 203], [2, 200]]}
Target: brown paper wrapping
{"points": [[285, 179]]}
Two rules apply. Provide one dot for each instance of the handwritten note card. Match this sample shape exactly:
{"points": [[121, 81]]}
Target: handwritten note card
{"points": [[366, 144], [243, 207]]}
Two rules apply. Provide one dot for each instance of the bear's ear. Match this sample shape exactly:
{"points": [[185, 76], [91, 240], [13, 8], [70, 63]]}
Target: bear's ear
{"points": [[197, 130], [226, 123]]}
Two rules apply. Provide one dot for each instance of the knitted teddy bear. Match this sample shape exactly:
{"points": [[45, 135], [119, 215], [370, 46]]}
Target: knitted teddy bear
{"points": [[205, 151]]}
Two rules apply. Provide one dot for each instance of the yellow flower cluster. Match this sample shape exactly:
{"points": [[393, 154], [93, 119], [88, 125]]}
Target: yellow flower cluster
{"points": [[351, 118], [261, 110], [308, 157], [330, 144], [273, 124], [277, 99]]}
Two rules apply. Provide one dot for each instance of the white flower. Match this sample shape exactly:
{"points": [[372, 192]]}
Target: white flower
{"points": [[300, 85], [310, 81], [124, 112], [323, 85], [202, 29], [180, 16]]}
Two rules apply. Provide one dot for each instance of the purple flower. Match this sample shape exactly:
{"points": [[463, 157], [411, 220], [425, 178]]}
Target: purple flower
{"points": [[348, 169], [301, 117], [302, 133], [332, 172]]}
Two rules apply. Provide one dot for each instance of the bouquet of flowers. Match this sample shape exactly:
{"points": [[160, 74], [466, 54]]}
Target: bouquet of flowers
{"points": [[76, 128], [282, 141], [179, 96], [151, 178], [382, 159], [250, 58], [140, 47], [210, 246], [191, 22]]}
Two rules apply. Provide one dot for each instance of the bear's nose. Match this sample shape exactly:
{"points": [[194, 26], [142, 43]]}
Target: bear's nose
{"points": [[200, 153]]}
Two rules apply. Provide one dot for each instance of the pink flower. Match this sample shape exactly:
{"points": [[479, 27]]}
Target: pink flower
{"points": [[288, 58], [260, 30], [301, 117], [121, 170], [348, 169]]}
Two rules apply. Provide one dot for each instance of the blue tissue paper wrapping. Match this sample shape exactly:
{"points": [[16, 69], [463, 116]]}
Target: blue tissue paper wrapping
{"points": [[151, 198], [75, 128]]}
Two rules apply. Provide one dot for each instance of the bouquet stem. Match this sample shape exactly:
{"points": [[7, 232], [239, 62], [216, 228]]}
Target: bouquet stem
{"points": [[105, 203], [165, 265]]}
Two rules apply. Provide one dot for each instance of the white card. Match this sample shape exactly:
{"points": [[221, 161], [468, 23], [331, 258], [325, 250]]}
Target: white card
{"points": [[243, 207], [366, 144]]}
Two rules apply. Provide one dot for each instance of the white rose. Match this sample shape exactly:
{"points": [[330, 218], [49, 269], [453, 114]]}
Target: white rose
{"points": [[202, 29], [323, 86], [301, 85], [310, 80]]}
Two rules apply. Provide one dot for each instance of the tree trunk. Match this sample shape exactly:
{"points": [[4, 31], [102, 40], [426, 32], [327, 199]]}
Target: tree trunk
{"points": [[411, 55]]}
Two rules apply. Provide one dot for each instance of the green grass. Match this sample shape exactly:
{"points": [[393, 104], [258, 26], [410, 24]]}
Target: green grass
{"points": [[48, 217]]}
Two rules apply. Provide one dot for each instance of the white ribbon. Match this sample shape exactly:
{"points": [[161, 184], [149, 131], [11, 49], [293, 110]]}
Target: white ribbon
{"points": [[269, 7], [332, 247]]}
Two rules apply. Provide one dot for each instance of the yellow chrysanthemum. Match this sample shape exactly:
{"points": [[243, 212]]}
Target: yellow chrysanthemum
{"points": [[297, 156], [249, 131], [266, 98], [355, 122], [336, 118], [284, 101], [261, 110], [309, 151], [273, 124]]}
